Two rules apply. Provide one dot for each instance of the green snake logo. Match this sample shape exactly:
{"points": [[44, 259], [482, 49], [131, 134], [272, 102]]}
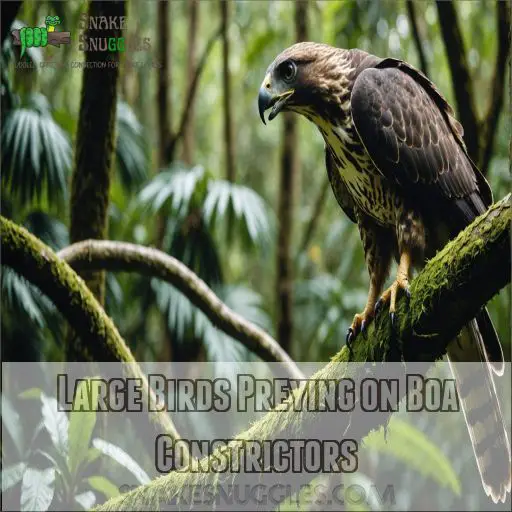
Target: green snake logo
{"points": [[37, 36]]}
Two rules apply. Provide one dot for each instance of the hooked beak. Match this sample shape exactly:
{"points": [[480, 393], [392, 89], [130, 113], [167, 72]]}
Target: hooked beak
{"points": [[267, 100]]}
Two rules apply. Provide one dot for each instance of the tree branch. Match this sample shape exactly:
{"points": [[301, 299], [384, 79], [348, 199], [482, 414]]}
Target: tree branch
{"points": [[37, 263], [119, 256], [227, 98], [411, 12], [448, 292], [191, 95], [490, 122], [188, 138], [315, 217], [164, 113], [461, 80]]}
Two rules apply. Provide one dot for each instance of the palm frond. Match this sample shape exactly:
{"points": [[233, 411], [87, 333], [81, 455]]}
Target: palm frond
{"points": [[24, 299], [200, 210], [410, 445], [173, 189], [113, 294], [186, 322], [232, 208], [36, 153], [131, 151], [189, 240], [246, 302], [183, 319], [50, 230], [324, 309]]}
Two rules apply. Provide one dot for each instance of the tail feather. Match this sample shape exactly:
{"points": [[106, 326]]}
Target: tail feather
{"points": [[492, 344], [482, 410]]}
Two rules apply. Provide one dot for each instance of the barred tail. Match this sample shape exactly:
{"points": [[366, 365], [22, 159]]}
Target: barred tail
{"points": [[482, 411]]}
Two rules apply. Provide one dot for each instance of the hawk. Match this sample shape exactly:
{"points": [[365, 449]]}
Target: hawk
{"points": [[399, 168]]}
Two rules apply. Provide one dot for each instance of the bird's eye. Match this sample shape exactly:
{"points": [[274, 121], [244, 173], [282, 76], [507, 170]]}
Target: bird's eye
{"points": [[288, 70]]}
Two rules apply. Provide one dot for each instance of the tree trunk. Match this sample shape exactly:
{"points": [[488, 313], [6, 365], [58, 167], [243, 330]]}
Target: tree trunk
{"points": [[90, 185], [497, 89], [478, 134], [164, 120], [411, 11], [287, 193], [188, 136], [461, 80], [95, 144], [226, 82], [164, 111]]}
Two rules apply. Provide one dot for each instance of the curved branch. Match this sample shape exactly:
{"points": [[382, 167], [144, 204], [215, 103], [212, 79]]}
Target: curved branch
{"points": [[490, 122], [191, 95], [445, 296], [317, 213], [119, 256], [37, 263]]}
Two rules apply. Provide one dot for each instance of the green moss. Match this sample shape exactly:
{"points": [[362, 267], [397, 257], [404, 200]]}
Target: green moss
{"points": [[35, 261]]}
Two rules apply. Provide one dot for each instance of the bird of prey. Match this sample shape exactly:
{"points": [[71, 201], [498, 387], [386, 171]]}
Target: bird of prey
{"points": [[399, 168]]}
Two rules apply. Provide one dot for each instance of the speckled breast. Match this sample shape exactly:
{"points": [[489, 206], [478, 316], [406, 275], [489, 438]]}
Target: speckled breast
{"points": [[368, 188]]}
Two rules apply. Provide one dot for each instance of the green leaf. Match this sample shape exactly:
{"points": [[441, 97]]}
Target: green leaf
{"points": [[86, 499], [23, 297], [11, 423], [81, 425], [174, 188], [185, 320], [56, 423], [122, 458], [37, 489], [49, 229], [103, 485], [31, 394], [132, 160], [91, 455], [372, 501], [12, 475], [36, 152], [240, 207], [415, 449]]}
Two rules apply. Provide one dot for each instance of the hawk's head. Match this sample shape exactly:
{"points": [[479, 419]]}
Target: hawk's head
{"points": [[308, 78]]}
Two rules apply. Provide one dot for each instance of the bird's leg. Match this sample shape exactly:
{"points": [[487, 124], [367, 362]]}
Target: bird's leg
{"points": [[401, 283], [410, 232], [361, 320], [377, 244]]}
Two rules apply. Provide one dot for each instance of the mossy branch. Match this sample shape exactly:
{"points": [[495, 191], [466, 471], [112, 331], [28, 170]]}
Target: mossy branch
{"points": [[120, 256], [37, 263], [448, 292]]}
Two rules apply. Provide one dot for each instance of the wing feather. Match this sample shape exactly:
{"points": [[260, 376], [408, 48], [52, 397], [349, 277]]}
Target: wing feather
{"points": [[409, 131]]}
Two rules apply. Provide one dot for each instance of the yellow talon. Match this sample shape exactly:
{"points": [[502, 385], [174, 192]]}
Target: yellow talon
{"points": [[400, 283]]}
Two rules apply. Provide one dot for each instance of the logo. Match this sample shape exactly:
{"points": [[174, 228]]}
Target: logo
{"points": [[35, 37]]}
